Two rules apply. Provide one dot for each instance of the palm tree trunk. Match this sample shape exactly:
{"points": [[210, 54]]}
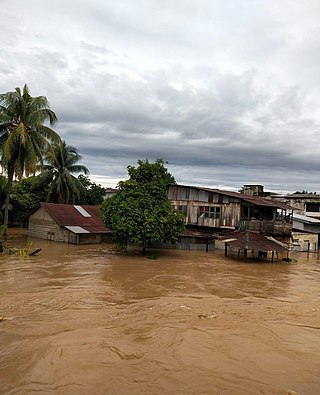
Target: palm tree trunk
{"points": [[7, 202]]}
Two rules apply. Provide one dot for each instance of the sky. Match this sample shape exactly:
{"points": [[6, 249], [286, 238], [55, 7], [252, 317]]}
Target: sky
{"points": [[226, 91]]}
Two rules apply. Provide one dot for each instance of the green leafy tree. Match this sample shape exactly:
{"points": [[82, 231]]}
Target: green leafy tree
{"points": [[94, 193], [24, 136], [152, 173], [26, 196], [58, 175], [140, 212]]}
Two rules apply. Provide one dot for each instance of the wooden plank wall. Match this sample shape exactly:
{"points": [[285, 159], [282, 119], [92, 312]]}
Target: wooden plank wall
{"points": [[230, 207]]}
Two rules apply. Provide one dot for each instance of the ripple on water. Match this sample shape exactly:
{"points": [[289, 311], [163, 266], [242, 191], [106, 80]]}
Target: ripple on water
{"points": [[83, 319]]}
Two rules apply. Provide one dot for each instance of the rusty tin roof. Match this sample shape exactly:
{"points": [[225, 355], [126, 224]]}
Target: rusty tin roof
{"points": [[87, 217], [256, 241]]}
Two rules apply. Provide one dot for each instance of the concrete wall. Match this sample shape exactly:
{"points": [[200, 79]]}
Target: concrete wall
{"points": [[306, 242]]}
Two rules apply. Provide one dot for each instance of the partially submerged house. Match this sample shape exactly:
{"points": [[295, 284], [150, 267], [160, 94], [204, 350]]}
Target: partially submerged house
{"points": [[305, 233], [68, 223], [220, 211], [190, 240], [306, 220], [307, 204]]}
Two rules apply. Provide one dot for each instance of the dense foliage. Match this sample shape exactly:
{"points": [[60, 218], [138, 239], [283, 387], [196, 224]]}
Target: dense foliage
{"points": [[29, 146], [24, 136], [94, 193], [3, 189], [29, 192], [140, 212], [60, 166], [26, 197]]}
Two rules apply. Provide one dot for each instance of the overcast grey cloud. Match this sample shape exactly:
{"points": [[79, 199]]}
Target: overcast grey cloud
{"points": [[227, 91]]}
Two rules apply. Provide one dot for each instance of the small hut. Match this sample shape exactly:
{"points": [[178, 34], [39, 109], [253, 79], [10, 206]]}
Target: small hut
{"points": [[68, 223], [254, 243]]}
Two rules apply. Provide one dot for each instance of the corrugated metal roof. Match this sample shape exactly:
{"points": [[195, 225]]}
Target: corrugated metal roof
{"points": [[256, 242], [82, 211], [77, 229], [68, 215], [255, 200], [305, 219], [298, 196]]}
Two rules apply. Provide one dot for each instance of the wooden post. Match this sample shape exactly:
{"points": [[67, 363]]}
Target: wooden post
{"points": [[246, 243]]}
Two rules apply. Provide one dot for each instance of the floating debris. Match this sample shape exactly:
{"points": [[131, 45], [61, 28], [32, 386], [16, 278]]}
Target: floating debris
{"points": [[208, 316]]}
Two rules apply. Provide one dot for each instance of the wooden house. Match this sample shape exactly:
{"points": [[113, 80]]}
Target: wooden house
{"points": [[220, 211], [68, 223]]}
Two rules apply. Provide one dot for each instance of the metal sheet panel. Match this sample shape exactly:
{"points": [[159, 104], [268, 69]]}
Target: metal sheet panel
{"points": [[82, 211], [77, 229]]}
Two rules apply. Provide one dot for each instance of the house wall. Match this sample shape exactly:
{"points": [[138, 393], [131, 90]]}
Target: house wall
{"points": [[304, 242], [90, 238], [225, 210], [189, 243], [42, 226], [301, 203], [306, 227]]}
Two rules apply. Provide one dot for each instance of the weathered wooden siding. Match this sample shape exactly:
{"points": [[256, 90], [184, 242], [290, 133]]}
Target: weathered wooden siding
{"points": [[42, 226], [191, 201], [213, 208], [188, 243], [90, 238], [229, 214]]}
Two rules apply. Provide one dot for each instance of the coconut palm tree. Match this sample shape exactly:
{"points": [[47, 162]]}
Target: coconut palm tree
{"points": [[24, 136], [58, 172]]}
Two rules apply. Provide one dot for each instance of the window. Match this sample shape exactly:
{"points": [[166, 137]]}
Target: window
{"points": [[183, 210], [313, 207], [209, 212]]}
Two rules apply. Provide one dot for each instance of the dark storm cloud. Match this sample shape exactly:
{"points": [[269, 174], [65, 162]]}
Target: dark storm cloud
{"points": [[225, 97]]}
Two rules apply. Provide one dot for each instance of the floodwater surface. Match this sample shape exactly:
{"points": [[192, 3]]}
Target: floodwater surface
{"points": [[88, 320]]}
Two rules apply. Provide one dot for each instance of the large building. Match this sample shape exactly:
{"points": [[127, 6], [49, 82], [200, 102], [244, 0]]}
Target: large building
{"points": [[220, 211]]}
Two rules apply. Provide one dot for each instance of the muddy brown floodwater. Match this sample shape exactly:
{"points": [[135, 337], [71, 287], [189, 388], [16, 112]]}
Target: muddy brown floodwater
{"points": [[86, 320]]}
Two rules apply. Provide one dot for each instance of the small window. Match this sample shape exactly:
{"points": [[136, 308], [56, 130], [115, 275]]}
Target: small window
{"points": [[209, 212], [313, 207], [183, 210], [204, 211]]}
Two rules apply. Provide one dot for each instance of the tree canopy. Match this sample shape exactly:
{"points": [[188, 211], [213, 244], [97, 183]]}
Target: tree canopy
{"points": [[60, 166], [24, 136], [140, 212], [94, 193], [26, 197]]}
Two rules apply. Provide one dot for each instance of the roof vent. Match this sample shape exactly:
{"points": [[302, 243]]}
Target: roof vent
{"points": [[82, 211]]}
